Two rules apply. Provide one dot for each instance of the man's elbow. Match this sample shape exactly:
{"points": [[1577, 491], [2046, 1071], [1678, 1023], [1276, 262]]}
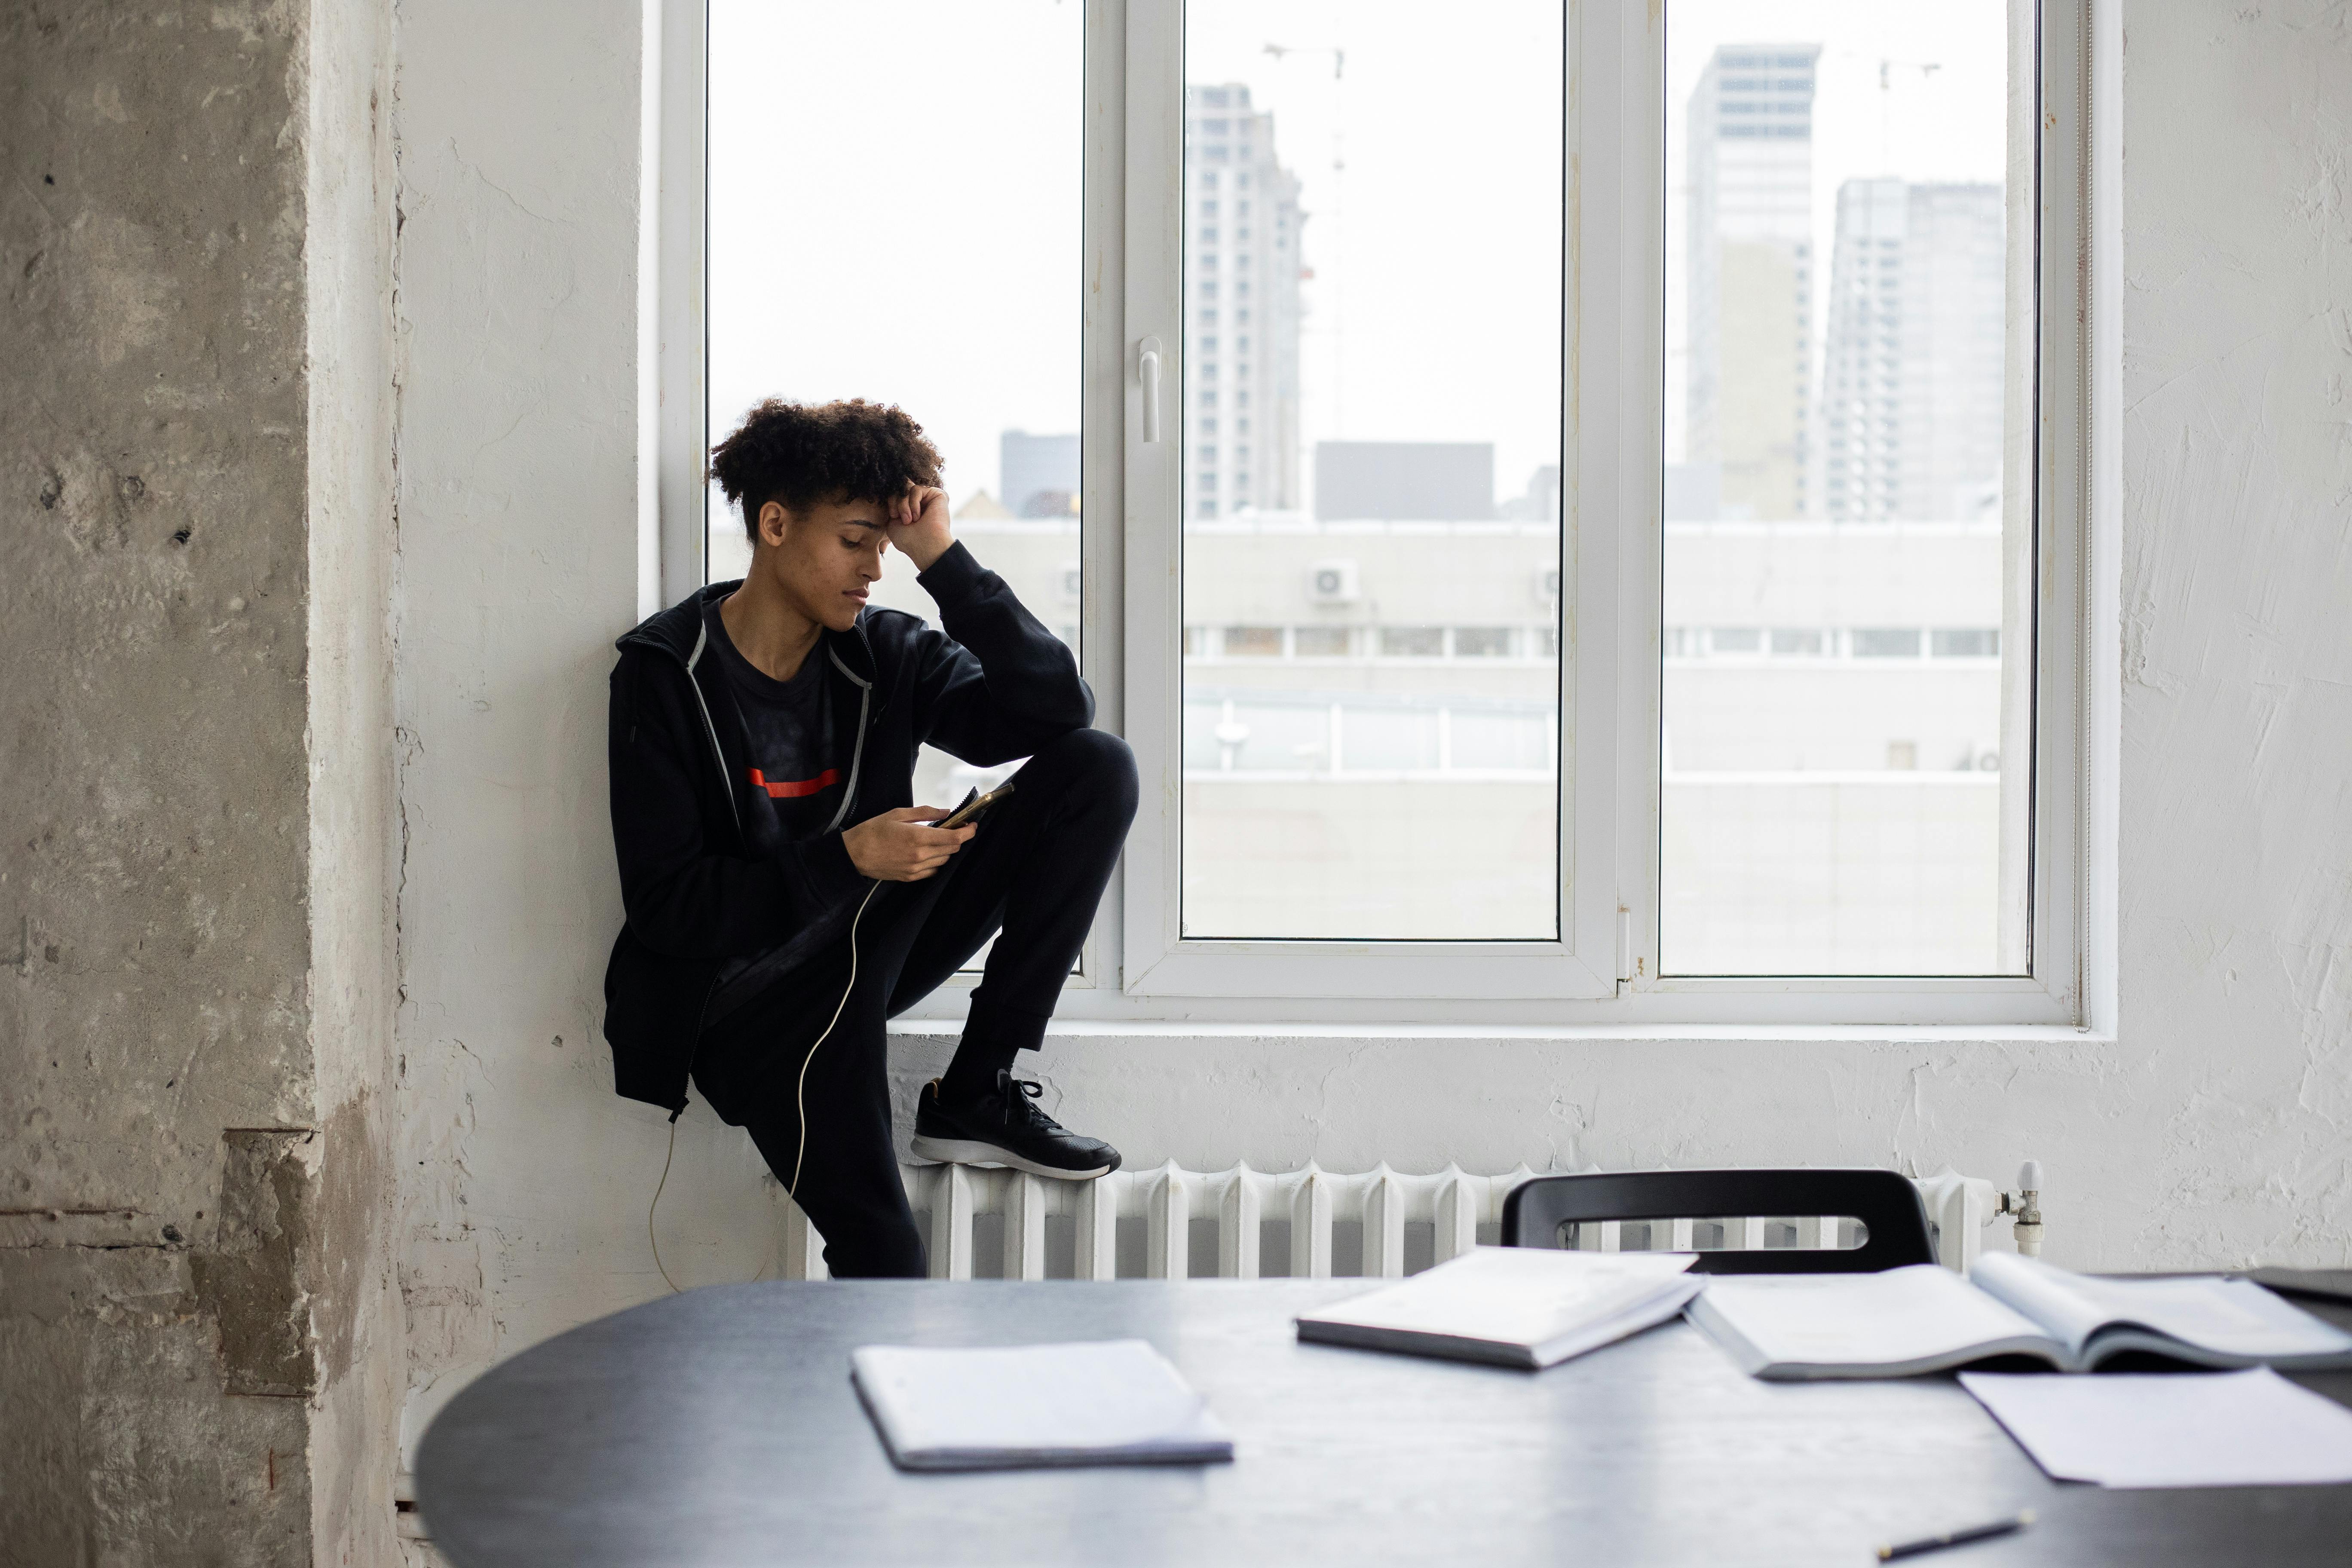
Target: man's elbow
{"points": [[1077, 713], [1082, 708]]}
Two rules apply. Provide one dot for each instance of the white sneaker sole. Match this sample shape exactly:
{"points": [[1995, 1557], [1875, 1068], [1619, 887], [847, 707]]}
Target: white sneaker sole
{"points": [[969, 1152]]}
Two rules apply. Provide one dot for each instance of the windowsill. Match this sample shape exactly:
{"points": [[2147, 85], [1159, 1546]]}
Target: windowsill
{"points": [[1582, 1033]]}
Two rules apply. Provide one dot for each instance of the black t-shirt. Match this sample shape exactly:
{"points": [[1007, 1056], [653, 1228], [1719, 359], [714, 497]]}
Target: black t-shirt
{"points": [[796, 781], [796, 789]]}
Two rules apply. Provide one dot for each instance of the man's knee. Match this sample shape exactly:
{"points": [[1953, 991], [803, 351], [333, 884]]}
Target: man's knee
{"points": [[1104, 762]]}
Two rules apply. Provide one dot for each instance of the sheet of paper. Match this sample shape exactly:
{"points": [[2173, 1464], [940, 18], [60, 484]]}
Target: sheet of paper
{"points": [[1107, 1399], [2250, 1428]]}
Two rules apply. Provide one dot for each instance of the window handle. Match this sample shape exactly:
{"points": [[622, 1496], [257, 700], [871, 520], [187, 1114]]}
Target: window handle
{"points": [[1147, 369]]}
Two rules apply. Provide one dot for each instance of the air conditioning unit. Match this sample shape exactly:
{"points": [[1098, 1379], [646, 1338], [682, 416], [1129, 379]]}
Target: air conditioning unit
{"points": [[1072, 581], [1548, 584], [1334, 582]]}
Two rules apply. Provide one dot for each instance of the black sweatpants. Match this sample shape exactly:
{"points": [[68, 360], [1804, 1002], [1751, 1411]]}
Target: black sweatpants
{"points": [[1032, 875]]}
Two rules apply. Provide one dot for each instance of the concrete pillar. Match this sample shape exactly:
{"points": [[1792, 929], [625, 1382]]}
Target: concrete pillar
{"points": [[199, 1332]]}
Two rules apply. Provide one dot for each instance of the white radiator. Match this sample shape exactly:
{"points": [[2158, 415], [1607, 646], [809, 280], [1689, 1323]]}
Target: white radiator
{"points": [[951, 1200]]}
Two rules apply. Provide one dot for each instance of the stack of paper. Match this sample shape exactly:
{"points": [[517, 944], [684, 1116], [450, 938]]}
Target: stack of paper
{"points": [[1514, 1306], [1112, 1402], [2172, 1429]]}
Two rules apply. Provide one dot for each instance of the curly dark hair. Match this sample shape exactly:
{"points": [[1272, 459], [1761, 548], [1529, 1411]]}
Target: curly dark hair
{"points": [[799, 455]]}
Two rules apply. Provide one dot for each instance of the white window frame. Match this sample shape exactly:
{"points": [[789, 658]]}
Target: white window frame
{"points": [[1603, 972]]}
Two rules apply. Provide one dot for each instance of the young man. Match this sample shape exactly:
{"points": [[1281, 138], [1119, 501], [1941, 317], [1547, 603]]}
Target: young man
{"points": [[785, 897]]}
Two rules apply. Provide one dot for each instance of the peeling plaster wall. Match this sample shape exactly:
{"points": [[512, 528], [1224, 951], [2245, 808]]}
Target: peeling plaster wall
{"points": [[152, 870], [195, 789], [2213, 1128], [153, 551]]}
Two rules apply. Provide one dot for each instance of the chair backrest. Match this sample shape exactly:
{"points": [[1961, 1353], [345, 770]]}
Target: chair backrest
{"points": [[1893, 1221]]}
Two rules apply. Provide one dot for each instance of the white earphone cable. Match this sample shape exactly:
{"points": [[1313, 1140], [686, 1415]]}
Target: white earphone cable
{"points": [[651, 1240], [799, 1089], [800, 1146]]}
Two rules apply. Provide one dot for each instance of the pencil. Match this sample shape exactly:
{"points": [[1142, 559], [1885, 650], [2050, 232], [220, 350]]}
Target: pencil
{"points": [[1956, 1537]]}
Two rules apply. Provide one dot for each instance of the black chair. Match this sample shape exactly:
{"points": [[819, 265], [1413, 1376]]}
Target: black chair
{"points": [[1894, 1221]]}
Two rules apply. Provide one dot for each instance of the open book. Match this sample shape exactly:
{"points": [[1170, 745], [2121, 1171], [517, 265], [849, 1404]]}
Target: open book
{"points": [[1513, 1305], [1109, 1402], [1925, 1318]]}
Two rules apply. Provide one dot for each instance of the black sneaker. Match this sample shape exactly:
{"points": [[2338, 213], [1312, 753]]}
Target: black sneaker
{"points": [[1004, 1126]]}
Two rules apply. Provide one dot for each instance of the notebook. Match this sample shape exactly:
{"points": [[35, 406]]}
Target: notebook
{"points": [[2249, 1428], [1926, 1319], [1108, 1401], [1513, 1305]]}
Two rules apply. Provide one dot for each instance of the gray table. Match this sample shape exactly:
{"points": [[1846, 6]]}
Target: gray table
{"points": [[719, 1427]]}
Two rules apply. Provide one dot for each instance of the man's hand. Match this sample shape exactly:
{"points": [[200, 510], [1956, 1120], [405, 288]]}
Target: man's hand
{"points": [[918, 525], [897, 848]]}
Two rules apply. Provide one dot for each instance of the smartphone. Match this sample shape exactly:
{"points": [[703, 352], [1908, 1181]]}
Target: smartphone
{"points": [[973, 805]]}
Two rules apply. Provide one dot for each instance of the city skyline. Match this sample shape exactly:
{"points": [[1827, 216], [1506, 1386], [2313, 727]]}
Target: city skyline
{"points": [[1904, 419], [1750, 276], [980, 347]]}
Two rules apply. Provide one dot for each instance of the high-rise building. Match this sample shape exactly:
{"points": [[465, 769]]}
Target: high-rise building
{"points": [[1912, 381], [1241, 309], [1751, 215]]}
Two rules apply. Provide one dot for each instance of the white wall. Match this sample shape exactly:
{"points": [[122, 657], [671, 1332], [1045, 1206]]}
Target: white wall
{"points": [[2236, 833], [2213, 1128], [524, 1180]]}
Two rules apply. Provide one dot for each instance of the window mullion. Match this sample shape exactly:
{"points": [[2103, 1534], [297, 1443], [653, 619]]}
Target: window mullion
{"points": [[1150, 164], [1102, 541], [1609, 490], [679, 422]]}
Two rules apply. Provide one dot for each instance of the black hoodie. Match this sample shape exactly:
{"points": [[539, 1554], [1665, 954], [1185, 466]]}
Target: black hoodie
{"points": [[993, 686]]}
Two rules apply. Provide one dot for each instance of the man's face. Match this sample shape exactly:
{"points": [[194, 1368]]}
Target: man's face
{"points": [[825, 558]]}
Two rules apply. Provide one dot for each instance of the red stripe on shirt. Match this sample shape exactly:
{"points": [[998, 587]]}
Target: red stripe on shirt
{"points": [[794, 789]]}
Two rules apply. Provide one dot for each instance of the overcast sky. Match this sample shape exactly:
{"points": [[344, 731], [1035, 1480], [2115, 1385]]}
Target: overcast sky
{"points": [[895, 213], [896, 195]]}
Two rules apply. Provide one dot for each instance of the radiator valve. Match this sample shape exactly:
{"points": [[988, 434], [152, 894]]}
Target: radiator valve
{"points": [[2025, 1206]]}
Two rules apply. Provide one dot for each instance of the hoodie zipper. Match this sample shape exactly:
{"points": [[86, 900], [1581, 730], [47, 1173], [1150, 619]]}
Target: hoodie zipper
{"points": [[857, 748], [717, 757]]}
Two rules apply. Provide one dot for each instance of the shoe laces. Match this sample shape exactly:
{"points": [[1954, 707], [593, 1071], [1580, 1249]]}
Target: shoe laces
{"points": [[1020, 1095]]}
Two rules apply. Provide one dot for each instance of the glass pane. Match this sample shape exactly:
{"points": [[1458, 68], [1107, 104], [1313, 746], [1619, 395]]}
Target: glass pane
{"points": [[896, 212], [1371, 424], [1390, 739], [1849, 503]]}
